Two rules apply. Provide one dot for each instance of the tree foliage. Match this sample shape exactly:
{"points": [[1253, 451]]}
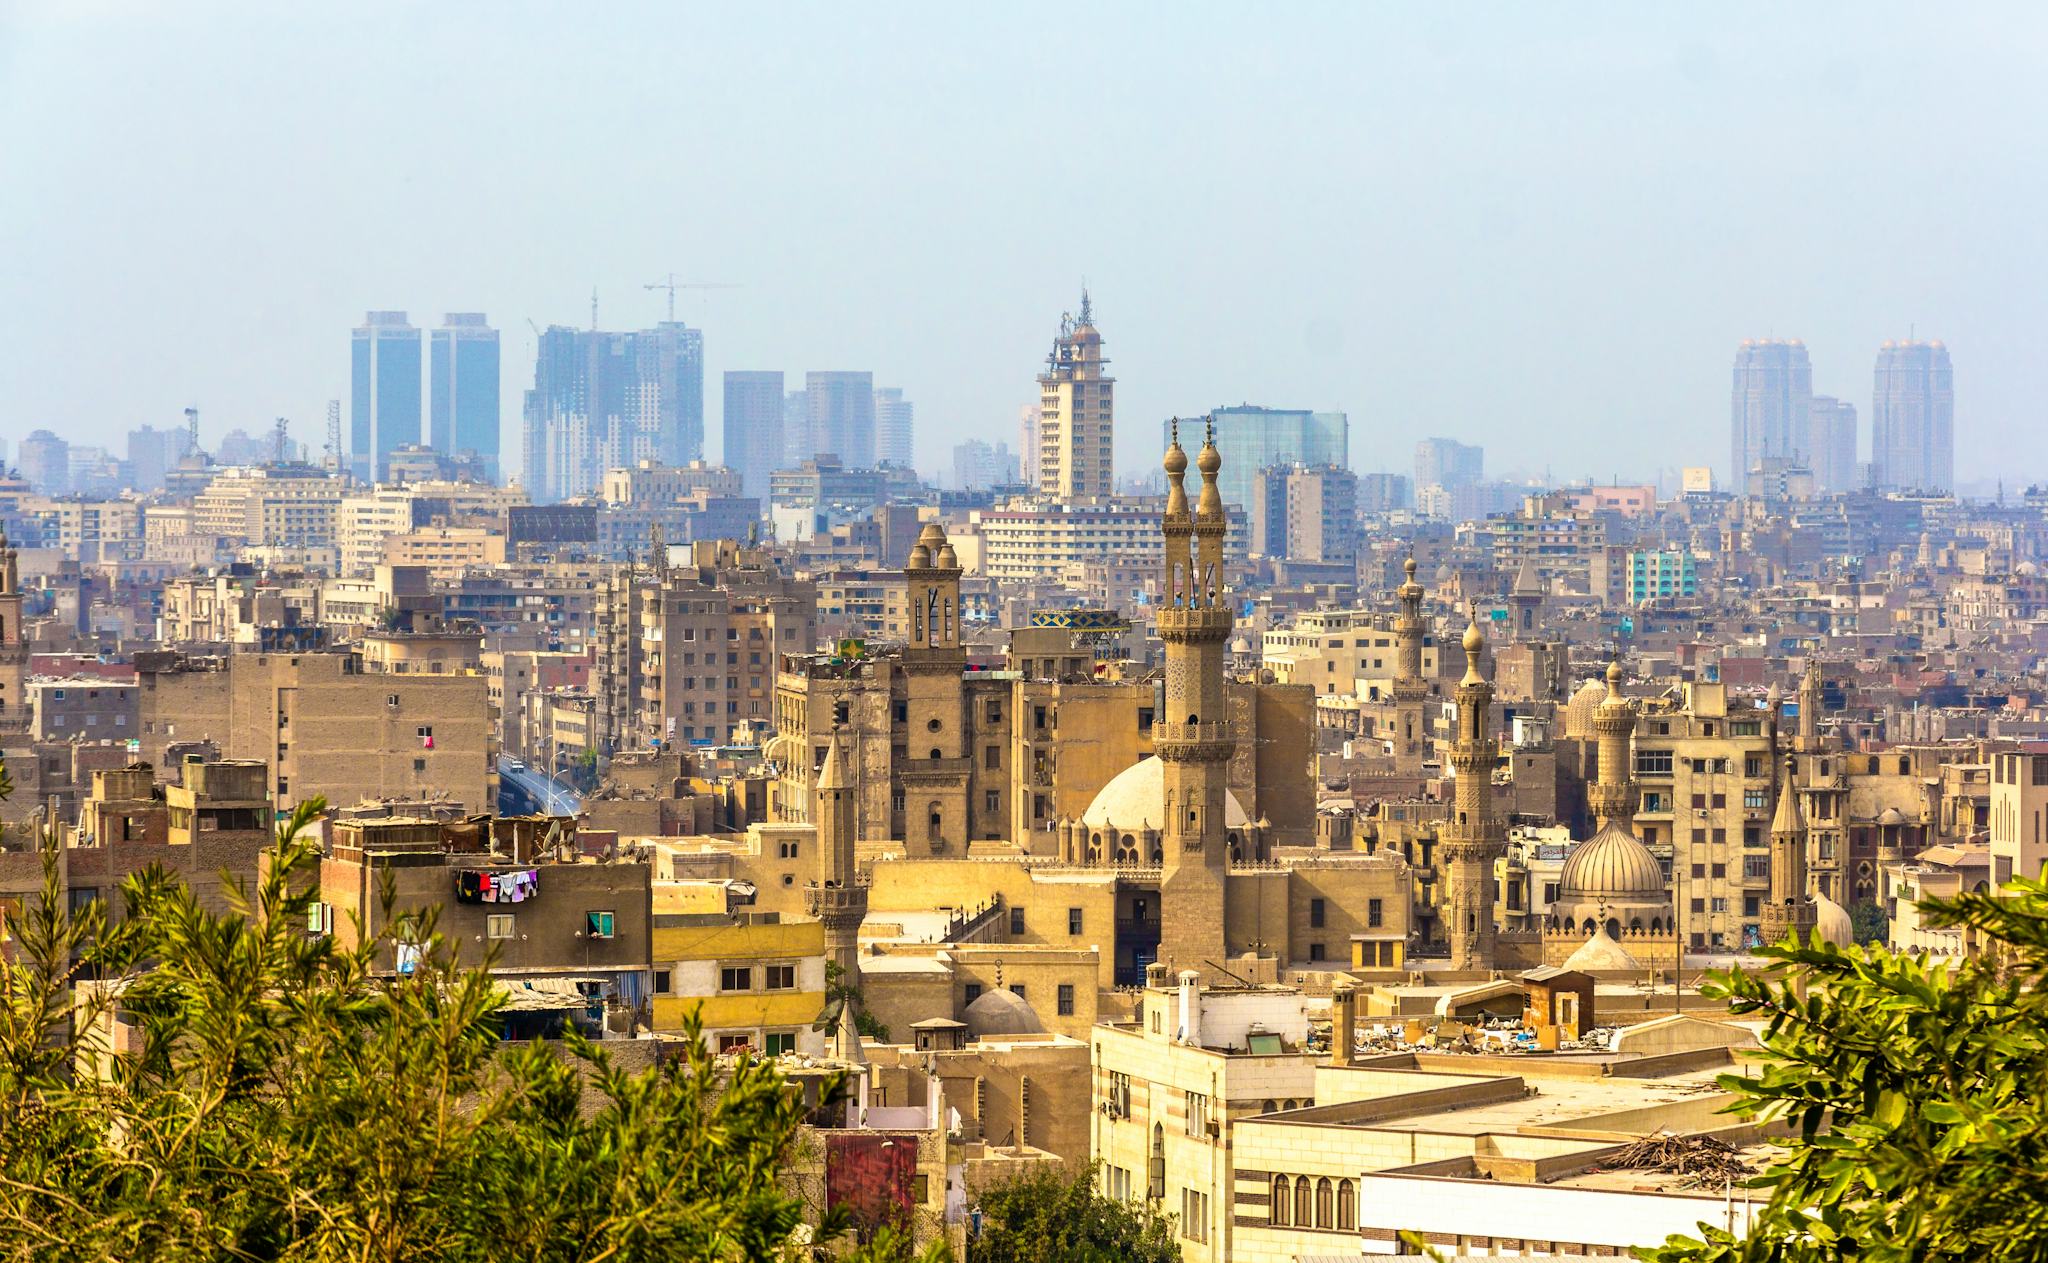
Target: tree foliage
{"points": [[1053, 1216], [1914, 1091], [283, 1101]]}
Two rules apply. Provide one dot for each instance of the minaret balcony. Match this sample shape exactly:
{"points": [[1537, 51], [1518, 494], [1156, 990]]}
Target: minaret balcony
{"points": [[1194, 622], [1193, 740]]}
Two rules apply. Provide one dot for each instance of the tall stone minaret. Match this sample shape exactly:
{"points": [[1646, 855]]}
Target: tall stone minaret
{"points": [[1613, 797], [1471, 842], [1810, 703], [1411, 691], [1193, 739], [839, 898], [1790, 908], [934, 775], [14, 714]]}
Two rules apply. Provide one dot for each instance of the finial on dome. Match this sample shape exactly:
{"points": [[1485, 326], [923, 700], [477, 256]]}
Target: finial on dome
{"points": [[1409, 567], [1209, 461], [1475, 645], [1614, 677], [1176, 457]]}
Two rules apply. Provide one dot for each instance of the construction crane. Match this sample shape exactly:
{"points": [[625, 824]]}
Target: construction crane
{"points": [[672, 285]]}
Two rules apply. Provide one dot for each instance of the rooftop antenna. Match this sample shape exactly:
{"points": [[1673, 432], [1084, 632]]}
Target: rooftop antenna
{"points": [[334, 460], [1087, 308], [279, 440], [192, 429]]}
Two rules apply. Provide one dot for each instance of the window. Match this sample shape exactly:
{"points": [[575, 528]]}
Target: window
{"points": [[1347, 1206], [1315, 914], [1016, 921], [1373, 915], [1194, 1215], [992, 801], [778, 977], [992, 758], [1653, 762], [663, 984], [498, 925], [1282, 1200], [970, 993], [1720, 801], [1326, 1203], [777, 1043], [1753, 799], [598, 924], [995, 715], [736, 978], [735, 1043], [1315, 951], [787, 848], [1066, 999], [1073, 920], [1197, 1113]]}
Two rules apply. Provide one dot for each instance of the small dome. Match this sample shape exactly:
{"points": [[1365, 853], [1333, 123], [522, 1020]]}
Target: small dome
{"points": [[920, 558], [947, 558], [1584, 707], [1600, 954], [1001, 1012], [1209, 460], [1176, 459], [1135, 800], [1891, 815], [1831, 921], [1475, 640], [1612, 865]]}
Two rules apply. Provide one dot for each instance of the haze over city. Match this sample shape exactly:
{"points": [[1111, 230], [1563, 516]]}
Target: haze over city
{"points": [[1543, 230]]}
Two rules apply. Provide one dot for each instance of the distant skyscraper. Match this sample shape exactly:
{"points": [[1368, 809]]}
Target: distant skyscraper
{"points": [[1831, 444], [1772, 406], [1385, 493], [976, 465], [608, 400], [1912, 418], [1304, 512], [1074, 457], [1251, 439], [796, 429], [384, 397], [1448, 463], [45, 460], [842, 416], [754, 404], [463, 388], [152, 453], [892, 427]]}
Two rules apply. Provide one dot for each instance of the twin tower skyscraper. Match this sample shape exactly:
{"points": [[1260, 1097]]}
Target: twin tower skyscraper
{"points": [[1776, 418]]}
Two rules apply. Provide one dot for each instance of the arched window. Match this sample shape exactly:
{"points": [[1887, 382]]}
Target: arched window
{"points": [[1347, 1206], [935, 753], [1304, 1201], [1266, 1106], [934, 822], [1282, 1195], [1326, 1203]]}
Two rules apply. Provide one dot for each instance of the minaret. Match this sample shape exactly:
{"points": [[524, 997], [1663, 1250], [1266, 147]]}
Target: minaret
{"points": [[839, 897], [1470, 843], [14, 715], [1526, 600], [1810, 703], [934, 774], [1790, 908], [1193, 739], [1410, 690], [1613, 796]]}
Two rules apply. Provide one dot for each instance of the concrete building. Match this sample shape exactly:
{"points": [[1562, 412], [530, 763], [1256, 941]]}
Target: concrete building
{"points": [[1042, 543], [1447, 463], [271, 506], [325, 726], [841, 416], [754, 405], [1831, 445], [755, 980], [1306, 513], [1660, 574], [1771, 406], [1074, 459], [2019, 813], [1912, 418], [894, 423], [83, 709], [609, 400], [16, 713], [463, 389], [384, 391]]}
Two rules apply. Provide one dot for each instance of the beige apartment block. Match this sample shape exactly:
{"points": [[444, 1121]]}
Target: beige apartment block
{"points": [[1074, 456], [271, 506]]}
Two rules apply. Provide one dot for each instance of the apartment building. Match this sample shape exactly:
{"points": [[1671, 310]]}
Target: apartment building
{"points": [[290, 506]]}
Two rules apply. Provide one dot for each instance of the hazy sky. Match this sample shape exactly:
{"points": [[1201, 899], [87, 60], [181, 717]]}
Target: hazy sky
{"points": [[1543, 227]]}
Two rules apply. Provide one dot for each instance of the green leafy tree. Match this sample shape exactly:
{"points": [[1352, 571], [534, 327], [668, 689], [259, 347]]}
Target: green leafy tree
{"points": [[838, 994], [1869, 923], [1051, 1215], [282, 1100], [1916, 1093]]}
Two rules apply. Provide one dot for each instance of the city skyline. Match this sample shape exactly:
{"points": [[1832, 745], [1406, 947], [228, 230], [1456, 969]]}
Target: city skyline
{"points": [[1517, 265]]}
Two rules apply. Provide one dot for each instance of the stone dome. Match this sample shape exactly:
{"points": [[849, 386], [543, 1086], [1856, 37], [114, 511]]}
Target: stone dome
{"points": [[1176, 461], [1831, 921], [1136, 799], [1613, 865], [1600, 954], [1891, 815], [1581, 710], [1209, 460], [1001, 1012]]}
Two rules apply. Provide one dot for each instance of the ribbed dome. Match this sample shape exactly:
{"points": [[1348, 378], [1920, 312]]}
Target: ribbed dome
{"points": [[1176, 461], [1001, 1012], [1831, 921], [1580, 712], [1612, 865], [1136, 799], [1601, 953]]}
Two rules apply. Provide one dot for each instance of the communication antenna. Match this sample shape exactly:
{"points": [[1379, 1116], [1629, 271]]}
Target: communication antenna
{"points": [[280, 439], [192, 429], [334, 460]]}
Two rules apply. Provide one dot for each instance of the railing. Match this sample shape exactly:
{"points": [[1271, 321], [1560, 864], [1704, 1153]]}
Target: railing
{"points": [[1207, 731]]}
